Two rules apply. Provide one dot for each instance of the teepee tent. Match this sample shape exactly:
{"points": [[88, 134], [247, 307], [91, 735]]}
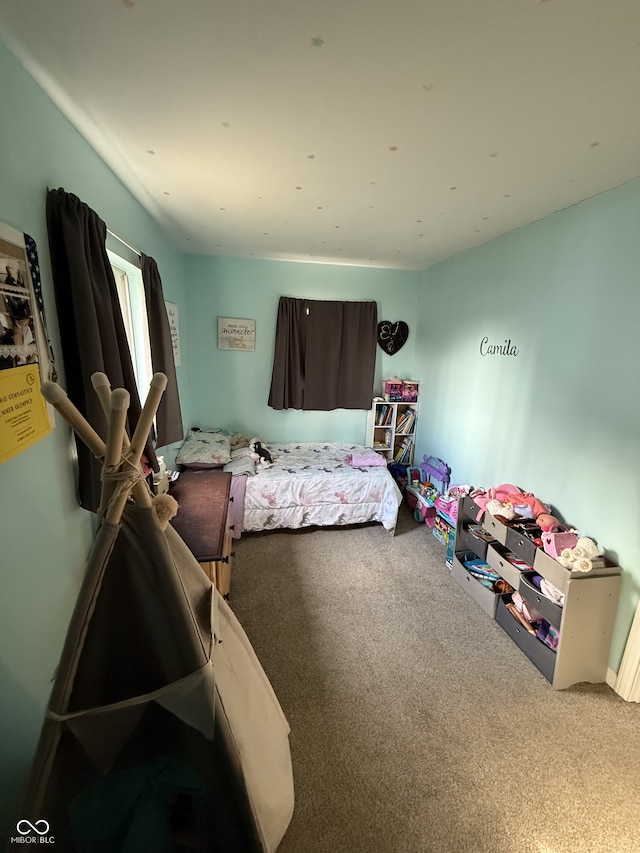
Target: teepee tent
{"points": [[162, 731]]}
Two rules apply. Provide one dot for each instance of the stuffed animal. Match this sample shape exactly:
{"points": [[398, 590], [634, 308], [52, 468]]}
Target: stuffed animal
{"points": [[260, 453], [500, 508], [239, 440]]}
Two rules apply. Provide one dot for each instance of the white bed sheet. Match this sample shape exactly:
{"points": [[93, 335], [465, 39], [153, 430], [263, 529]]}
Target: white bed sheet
{"points": [[313, 484]]}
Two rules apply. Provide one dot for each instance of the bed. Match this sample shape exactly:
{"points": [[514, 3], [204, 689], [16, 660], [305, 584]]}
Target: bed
{"points": [[314, 484], [307, 484]]}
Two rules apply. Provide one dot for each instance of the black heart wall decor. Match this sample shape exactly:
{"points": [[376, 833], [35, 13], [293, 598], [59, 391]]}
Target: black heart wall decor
{"points": [[392, 336]]}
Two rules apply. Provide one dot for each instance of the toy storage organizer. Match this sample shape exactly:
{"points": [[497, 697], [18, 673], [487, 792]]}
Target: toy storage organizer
{"points": [[400, 390], [584, 621]]}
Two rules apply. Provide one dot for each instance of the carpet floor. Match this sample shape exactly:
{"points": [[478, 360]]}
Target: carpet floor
{"points": [[417, 726]]}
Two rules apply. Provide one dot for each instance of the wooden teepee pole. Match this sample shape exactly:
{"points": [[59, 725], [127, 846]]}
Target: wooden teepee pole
{"points": [[118, 408], [102, 387], [58, 398], [138, 440]]}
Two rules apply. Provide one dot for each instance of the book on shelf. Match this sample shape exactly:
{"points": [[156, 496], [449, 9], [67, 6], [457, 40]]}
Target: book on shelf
{"points": [[406, 421], [384, 415], [403, 451]]}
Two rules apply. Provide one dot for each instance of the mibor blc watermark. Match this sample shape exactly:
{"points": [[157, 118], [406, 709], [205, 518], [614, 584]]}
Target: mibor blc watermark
{"points": [[33, 833]]}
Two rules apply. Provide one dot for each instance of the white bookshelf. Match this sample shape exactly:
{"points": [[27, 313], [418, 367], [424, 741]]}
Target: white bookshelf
{"points": [[391, 429]]}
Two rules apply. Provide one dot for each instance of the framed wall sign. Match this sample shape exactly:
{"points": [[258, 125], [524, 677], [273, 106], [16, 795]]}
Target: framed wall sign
{"points": [[172, 315], [236, 333]]}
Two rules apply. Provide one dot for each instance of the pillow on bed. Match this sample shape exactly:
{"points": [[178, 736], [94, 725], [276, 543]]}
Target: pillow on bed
{"points": [[205, 448], [244, 464]]}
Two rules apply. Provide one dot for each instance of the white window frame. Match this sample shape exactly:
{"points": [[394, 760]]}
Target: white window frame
{"points": [[133, 305]]}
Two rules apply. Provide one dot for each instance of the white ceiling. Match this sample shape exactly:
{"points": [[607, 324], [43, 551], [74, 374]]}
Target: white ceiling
{"points": [[389, 134]]}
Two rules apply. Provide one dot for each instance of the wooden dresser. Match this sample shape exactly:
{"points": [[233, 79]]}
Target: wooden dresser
{"points": [[203, 521]]}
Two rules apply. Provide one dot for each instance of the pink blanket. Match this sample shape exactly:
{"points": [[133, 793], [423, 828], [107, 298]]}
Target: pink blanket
{"points": [[365, 459]]}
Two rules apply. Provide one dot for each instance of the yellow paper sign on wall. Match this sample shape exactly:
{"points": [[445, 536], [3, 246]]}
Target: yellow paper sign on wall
{"points": [[23, 412]]}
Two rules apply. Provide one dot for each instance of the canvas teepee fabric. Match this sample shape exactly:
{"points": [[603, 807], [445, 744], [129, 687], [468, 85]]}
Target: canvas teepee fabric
{"points": [[162, 732]]}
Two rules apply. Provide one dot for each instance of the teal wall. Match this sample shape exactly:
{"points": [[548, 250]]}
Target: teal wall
{"points": [[45, 536], [230, 388], [562, 418]]}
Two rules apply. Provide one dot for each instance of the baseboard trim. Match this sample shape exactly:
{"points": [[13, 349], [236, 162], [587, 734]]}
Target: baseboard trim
{"points": [[612, 677]]}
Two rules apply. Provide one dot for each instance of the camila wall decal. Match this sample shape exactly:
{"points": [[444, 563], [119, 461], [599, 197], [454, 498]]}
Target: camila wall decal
{"points": [[506, 348]]}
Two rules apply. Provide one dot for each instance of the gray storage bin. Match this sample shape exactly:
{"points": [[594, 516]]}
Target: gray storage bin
{"points": [[482, 595], [497, 529], [467, 541], [521, 545], [538, 653], [497, 560], [551, 611], [471, 509]]}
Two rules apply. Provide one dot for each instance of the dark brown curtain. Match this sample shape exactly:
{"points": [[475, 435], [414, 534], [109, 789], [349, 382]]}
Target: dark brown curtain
{"points": [[324, 355], [91, 327], [168, 418]]}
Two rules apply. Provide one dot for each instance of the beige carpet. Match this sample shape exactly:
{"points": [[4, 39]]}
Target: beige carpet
{"points": [[416, 724]]}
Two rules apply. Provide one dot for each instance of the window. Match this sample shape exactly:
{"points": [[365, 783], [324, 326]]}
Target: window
{"points": [[324, 356], [134, 313]]}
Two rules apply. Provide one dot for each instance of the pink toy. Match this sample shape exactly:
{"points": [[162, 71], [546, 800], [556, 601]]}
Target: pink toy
{"points": [[554, 543], [509, 494], [547, 522]]}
